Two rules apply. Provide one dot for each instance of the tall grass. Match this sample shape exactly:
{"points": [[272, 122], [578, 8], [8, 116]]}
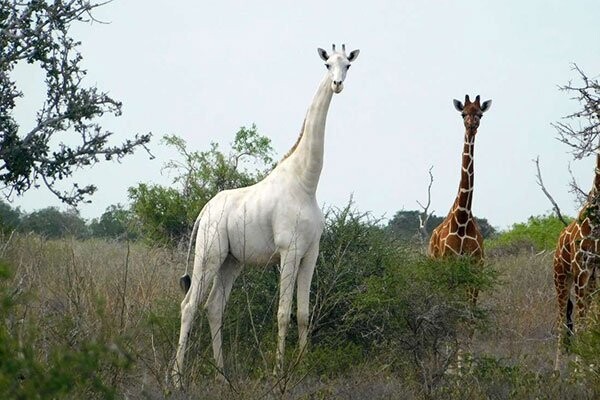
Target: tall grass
{"points": [[114, 307], [82, 292]]}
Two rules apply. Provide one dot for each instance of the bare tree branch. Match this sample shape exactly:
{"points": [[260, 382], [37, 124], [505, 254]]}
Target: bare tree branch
{"points": [[583, 139], [540, 182], [424, 215], [574, 188]]}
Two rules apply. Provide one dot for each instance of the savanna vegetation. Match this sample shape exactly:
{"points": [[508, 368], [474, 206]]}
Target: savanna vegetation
{"points": [[90, 309], [99, 318]]}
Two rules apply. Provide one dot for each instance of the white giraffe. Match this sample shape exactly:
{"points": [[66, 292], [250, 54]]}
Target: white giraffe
{"points": [[275, 221]]}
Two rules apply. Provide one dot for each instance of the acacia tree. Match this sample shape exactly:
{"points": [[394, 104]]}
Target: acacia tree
{"points": [[580, 131], [583, 137], [37, 32]]}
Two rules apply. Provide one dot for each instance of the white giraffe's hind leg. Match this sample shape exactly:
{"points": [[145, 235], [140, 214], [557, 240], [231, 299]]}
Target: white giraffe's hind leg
{"points": [[194, 296], [210, 255], [215, 306]]}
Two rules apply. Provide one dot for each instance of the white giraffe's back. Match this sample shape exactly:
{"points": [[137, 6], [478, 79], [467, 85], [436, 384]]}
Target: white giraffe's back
{"points": [[254, 223]]}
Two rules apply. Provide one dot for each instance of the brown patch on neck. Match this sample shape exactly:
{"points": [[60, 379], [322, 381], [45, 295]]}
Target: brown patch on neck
{"points": [[295, 146]]}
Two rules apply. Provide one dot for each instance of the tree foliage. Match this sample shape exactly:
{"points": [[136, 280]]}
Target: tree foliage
{"points": [[9, 217], [203, 174], [405, 225], [37, 32], [53, 223], [538, 233], [166, 213], [116, 222]]}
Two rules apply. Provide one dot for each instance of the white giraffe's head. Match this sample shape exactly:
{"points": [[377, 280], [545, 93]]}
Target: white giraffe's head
{"points": [[337, 64]]}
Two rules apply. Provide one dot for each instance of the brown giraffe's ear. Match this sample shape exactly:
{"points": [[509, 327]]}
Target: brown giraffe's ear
{"points": [[486, 105], [323, 54], [458, 105]]}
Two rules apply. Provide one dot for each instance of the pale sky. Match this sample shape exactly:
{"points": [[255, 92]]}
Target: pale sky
{"points": [[203, 69]]}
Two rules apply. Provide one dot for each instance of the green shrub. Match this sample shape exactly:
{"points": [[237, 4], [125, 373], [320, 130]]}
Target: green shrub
{"points": [[422, 312], [329, 361], [353, 248], [537, 234]]}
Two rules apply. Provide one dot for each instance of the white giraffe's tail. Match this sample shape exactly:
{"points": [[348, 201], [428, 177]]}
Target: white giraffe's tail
{"points": [[186, 281]]}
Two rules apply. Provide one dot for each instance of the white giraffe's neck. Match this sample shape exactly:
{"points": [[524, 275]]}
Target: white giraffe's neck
{"points": [[307, 158]]}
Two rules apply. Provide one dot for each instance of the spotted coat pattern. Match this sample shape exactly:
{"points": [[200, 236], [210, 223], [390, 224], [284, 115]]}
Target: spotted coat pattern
{"points": [[458, 234], [576, 262]]}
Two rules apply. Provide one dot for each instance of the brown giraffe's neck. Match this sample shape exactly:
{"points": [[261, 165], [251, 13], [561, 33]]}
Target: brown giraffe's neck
{"points": [[464, 198], [596, 186], [590, 209]]}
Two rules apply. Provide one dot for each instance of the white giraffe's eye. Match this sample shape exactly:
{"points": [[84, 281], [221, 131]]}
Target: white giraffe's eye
{"points": [[327, 65]]}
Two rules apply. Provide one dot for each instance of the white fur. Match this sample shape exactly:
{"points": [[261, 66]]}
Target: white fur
{"points": [[277, 220]]}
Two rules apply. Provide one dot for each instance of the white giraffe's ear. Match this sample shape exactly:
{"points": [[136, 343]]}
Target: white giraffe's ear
{"points": [[486, 105], [323, 54], [353, 55], [458, 105]]}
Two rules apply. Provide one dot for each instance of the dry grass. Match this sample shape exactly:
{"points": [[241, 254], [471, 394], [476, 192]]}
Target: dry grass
{"points": [[523, 311], [103, 292], [129, 294]]}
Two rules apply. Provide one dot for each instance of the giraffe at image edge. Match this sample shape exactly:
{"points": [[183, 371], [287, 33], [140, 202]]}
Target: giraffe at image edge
{"points": [[576, 262]]}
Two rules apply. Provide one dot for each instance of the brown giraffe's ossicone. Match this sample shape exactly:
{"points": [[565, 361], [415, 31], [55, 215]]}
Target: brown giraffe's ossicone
{"points": [[576, 262], [458, 235]]}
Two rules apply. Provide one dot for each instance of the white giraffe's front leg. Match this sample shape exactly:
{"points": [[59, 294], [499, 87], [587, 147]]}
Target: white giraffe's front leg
{"points": [[287, 281], [305, 274]]}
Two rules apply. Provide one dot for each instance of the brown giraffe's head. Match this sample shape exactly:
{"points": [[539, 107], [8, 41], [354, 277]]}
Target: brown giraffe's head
{"points": [[472, 111]]}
